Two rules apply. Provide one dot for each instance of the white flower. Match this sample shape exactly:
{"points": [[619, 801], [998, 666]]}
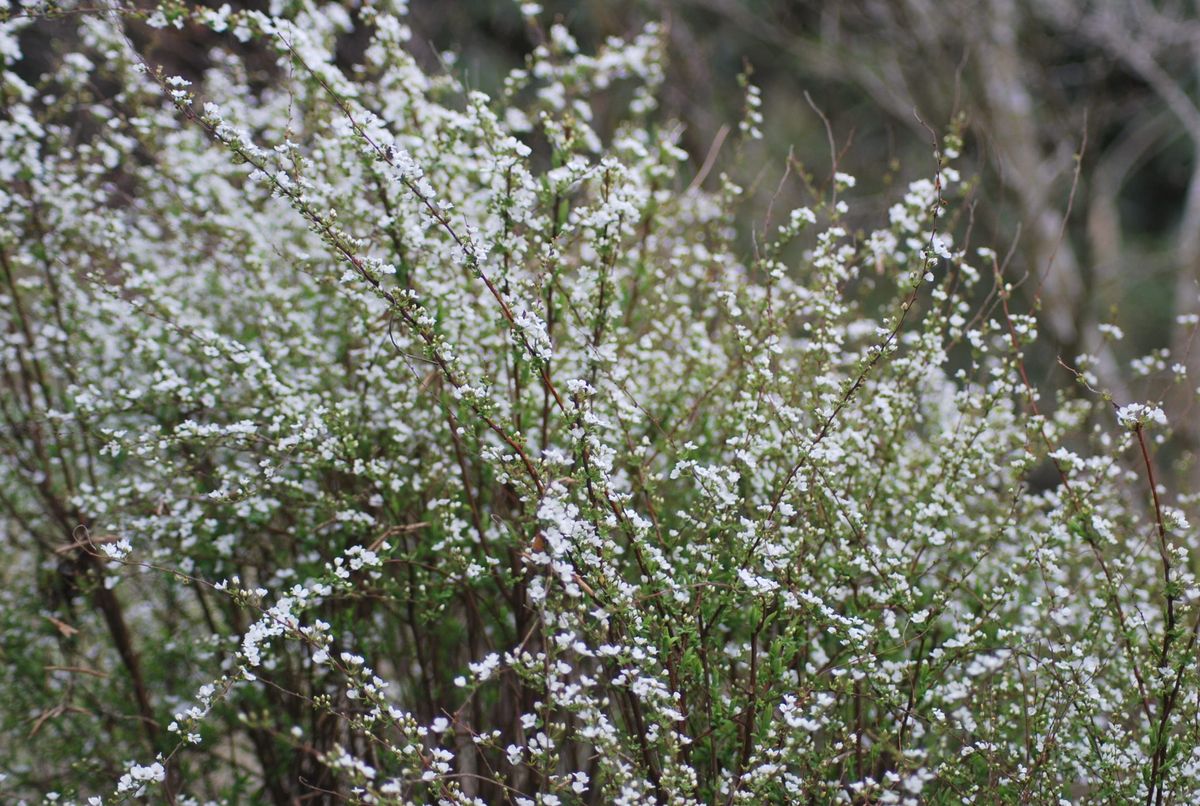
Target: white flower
{"points": [[117, 550], [138, 776], [1136, 415]]}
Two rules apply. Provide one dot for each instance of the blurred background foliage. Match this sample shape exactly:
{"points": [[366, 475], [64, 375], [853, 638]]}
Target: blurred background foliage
{"points": [[1045, 86]]}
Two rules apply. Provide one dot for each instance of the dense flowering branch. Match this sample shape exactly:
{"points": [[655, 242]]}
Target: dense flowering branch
{"points": [[370, 438]]}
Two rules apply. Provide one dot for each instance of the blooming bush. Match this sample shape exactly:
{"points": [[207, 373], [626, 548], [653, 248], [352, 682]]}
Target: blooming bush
{"points": [[368, 438]]}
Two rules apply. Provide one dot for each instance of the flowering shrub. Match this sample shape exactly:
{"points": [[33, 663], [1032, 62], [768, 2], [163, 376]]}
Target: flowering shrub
{"points": [[367, 438]]}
